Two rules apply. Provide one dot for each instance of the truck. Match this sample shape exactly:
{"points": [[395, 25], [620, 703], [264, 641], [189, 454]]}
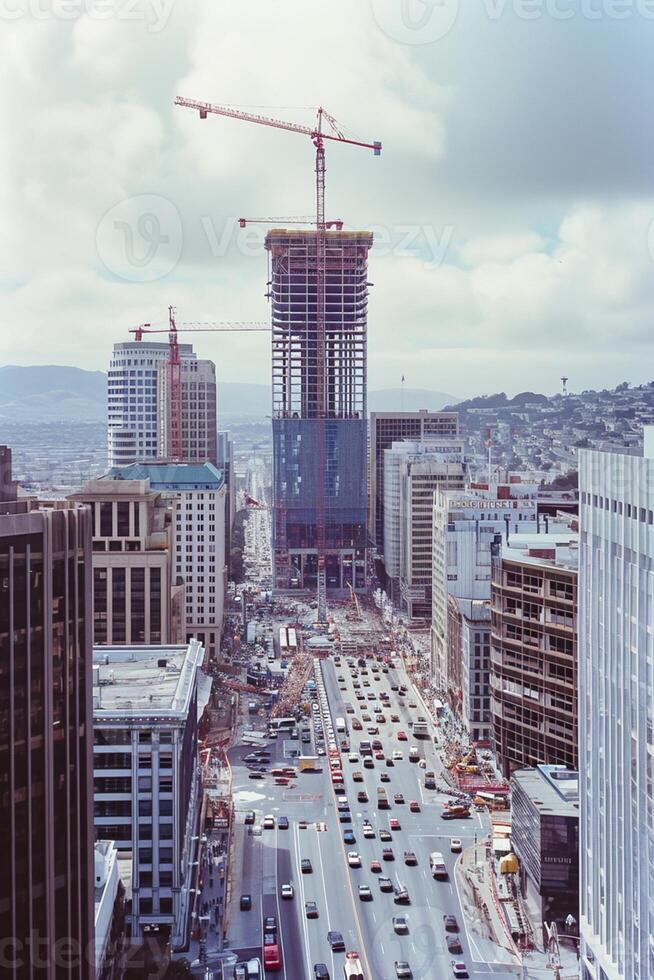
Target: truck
{"points": [[255, 738], [308, 763], [437, 866], [420, 729], [341, 726], [414, 755]]}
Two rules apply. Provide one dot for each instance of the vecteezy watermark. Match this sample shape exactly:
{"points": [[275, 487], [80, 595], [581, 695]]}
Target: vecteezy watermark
{"points": [[140, 239], [567, 9], [415, 21], [416, 241], [153, 13]]}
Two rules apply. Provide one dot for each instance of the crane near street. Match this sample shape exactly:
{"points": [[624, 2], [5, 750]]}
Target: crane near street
{"points": [[318, 137], [173, 368]]}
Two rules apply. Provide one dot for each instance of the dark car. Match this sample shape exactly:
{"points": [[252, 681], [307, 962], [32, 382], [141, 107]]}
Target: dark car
{"points": [[270, 924], [385, 884], [384, 777], [345, 816], [349, 838], [249, 817], [336, 941], [454, 944], [306, 867], [257, 775], [385, 835], [450, 923], [320, 971], [410, 858], [282, 823], [246, 903], [311, 910], [387, 854]]}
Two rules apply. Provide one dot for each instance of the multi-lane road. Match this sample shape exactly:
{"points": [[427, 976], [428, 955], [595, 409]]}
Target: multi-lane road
{"points": [[266, 860]]}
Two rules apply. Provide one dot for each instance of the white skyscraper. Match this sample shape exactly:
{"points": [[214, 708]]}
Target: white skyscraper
{"points": [[616, 720], [132, 400]]}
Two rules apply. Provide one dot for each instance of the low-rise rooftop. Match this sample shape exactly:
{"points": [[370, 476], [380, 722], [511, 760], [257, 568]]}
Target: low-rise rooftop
{"points": [[553, 790], [144, 680]]}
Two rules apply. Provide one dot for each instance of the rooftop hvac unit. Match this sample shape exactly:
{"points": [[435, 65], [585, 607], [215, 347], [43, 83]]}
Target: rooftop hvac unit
{"points": [[162, 662]]}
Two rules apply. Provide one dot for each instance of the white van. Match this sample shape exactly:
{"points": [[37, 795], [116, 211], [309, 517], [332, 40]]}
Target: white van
{"points": [[437, 866]]}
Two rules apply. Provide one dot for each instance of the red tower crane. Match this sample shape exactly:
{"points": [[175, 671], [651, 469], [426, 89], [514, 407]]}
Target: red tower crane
{"points": [[173, 367], [318, 137]]}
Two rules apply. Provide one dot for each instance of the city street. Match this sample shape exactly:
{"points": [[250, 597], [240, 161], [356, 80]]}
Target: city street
{"points": [[263, 861]]}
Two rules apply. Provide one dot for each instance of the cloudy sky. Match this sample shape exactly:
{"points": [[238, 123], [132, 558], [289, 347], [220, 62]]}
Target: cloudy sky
{"points": [[512, 204]]}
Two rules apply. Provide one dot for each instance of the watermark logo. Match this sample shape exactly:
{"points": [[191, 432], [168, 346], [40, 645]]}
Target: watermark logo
{"points": [[140, 239], [153, 13], [415, 21]]}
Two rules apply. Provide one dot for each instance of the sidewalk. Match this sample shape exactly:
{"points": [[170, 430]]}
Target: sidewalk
{"points": [[473, 874]]}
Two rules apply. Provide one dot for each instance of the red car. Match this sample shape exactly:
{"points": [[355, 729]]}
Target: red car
{"points": [[414, 806], [379, 755], [394, 823], [375, 867], [272, 957], [401, 737]]}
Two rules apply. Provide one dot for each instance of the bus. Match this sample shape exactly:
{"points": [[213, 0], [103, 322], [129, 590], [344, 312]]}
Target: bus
{"points": [[291, 640], [283, 641], [420, 729], [341, 726], [255, 738], [281, 724]]}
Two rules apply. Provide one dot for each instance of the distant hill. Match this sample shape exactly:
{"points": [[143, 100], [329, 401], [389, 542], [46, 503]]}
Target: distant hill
{"points": [[55, 393], [500, 400], [52, 393]]}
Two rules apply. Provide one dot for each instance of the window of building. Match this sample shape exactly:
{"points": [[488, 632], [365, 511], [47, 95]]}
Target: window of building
{"points": [[106, 519]]}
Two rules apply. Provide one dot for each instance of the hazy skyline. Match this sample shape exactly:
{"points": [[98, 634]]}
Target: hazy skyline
{"points": [[512, 204]]}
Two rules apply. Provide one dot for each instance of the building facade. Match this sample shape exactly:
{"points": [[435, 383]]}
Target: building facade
{"points": [[545, 838], [46, 872], [474, 672], [319, 392], [109, 913], [533, 678], [133, 400], [198, 411], [616, 724], [198, 493], [420, 478], [385, 429], [464, 525], [146, 778], [134, 598]]}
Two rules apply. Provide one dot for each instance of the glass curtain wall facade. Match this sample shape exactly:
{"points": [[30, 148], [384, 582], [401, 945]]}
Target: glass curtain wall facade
{"points": [[296, 377], [46, 849]]}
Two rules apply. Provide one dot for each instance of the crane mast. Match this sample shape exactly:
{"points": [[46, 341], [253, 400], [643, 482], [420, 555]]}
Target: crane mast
{"points": [[318, 137]]}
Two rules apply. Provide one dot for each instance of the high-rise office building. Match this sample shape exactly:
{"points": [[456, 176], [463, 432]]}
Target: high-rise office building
{"points": [[135, 598], [46, 820], [533, 674], [198, 494], [305, 376], [137, 382], [387, 428], [616, 714], [146, 777]]}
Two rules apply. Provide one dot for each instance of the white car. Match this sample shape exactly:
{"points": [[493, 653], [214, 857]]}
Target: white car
{"points": [[397, 755], [354, 859], [422, 764], [288, 892], [353, 757], [269, 822], [400, 923]]}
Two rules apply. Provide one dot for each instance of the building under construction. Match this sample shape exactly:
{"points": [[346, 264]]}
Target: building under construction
{"points": [[319, 410]]}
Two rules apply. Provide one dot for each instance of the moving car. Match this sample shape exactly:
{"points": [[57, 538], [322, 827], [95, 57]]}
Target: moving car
{"points": [[336, 941], [282, 823], [306, 867], [385, 884], [394, 824], [272, 957], [397, 755], [270, 924], [357, 775], [249, 817], [402, 969], [257, 774], [387, 854], [365, 895], [455, 812], [459, 969], [455, 845], [385, 835], [454, 945], [400, 923], [246, 903], [368, 763], [375, 867], [437, 866], [352, 969], [368, 830], [311, 910], [450, 923], [402, 736], [385, 778], [362, 796], [414, 806], [349, 838], [401, 895], [288, 892], [410, 858], [354, 859], [320, 971], [399, 798]]}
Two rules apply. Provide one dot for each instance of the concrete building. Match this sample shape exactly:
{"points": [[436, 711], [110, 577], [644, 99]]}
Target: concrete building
{"points": [[109, 913], [470, 678], [464, 525], [137, 421], [319, 394], [134, 598], [198, 492], [146, 776], [133, 400], [385, 429], [533, 680], [226, 466], [46, 871], [545, 838], [198, 412], [616, 721]]}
